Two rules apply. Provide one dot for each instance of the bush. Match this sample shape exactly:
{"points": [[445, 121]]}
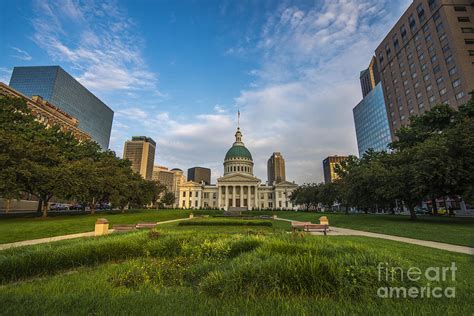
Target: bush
{"points": [[226, 223]]}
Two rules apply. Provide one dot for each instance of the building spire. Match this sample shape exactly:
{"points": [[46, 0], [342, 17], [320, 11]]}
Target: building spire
{"points": [[238, 118]]}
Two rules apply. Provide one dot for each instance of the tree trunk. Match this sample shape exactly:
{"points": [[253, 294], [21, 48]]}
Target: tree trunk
{"points": [[434, 206], [93, 206], [412, 213], [40, 206], [45, 209], [9, 201]]}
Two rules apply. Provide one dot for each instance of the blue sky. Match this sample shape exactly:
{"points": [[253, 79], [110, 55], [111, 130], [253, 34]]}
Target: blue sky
{"points": [[179, 70]]}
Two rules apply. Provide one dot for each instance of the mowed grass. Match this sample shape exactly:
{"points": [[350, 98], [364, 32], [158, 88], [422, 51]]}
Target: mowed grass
{"points": [[182, 270], [18, 229], [456, 231]]}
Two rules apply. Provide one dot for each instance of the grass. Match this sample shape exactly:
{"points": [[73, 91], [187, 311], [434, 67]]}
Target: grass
{"points": [[186, 270], [456, 231], [17, 229]]}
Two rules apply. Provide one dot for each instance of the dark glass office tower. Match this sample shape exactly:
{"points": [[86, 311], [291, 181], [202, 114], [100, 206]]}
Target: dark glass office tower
{"points": [[61, 89]]}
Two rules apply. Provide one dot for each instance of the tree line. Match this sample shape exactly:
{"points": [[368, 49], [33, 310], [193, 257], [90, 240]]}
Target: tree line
{"points": [[46, 162], [432, 157]]}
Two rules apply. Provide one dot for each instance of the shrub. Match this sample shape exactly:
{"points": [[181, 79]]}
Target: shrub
{"points": [[226, 223]]}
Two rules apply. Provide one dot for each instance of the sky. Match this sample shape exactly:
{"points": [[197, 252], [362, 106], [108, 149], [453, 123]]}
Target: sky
{"points": [[178, 71]]}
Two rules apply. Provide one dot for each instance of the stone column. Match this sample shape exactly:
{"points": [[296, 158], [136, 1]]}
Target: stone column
{"points": [[241, 196], [233, 195], [256, 197], [249, 196], [226, 203], [219, 197]]}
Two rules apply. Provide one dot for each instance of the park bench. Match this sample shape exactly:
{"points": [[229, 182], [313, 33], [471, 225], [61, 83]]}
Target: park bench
{"points": [[298, 225], [316, 227], [119, 228], [145, 225], [308, 226]]}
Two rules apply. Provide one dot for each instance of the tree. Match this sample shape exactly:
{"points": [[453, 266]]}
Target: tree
{"points": [[168, 198]]}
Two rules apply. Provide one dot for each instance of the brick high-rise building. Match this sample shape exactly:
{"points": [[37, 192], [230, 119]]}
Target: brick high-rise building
{"points": [[276, 169], [427, 58], [141, 152]]}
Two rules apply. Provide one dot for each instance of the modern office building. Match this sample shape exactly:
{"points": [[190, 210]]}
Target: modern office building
{"points": [[427, 58], [164, 176], [47, 113], [56, 86], [199, 175], [371, 122], [141, 152], [329, 165], [369, 77], [276, 169]]}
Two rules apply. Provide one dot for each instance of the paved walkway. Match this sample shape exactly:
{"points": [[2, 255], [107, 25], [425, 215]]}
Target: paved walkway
{"points": [[338, 231], [65, 237]]}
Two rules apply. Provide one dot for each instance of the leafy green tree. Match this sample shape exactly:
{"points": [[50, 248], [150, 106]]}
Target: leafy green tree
{"points": [[168, 199]]}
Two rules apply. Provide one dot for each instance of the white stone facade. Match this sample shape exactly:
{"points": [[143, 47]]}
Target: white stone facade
{"points": [[238, 187]]}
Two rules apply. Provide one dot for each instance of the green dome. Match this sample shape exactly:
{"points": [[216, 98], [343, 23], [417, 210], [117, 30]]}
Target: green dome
{"points": [[238, 151]]}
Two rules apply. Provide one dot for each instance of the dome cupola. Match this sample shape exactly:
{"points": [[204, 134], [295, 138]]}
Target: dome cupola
{"points": [[238, 158]]}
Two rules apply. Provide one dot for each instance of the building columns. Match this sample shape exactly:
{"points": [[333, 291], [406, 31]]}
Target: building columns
{"points": [[226, 200], [241, 195], [233, 195], [256, 197]]}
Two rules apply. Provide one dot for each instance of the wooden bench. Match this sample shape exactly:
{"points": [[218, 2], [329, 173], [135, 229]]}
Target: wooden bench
{"points": [[317, 227], [299, 225], [145, 225], [308, 226], [119, 228]]}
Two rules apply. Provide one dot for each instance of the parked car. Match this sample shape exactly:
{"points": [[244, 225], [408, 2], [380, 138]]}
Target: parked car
{"points": [[59, 207]]}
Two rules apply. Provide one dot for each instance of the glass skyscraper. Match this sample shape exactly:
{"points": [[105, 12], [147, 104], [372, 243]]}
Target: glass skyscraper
{"points": [[371, 122], [61, 89]]}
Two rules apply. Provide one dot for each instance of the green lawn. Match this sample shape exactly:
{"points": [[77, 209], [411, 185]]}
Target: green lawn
{"points": [[456, 231], [200, 270], [17, 229]]}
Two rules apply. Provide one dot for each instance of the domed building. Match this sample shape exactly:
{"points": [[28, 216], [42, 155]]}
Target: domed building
{"points": [[238, 188]]}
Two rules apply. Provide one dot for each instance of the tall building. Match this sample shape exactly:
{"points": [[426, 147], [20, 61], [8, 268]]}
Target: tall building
{"points": [[55, 85], [199, 174], [427, 58], [371, 122], [329, 165], [141, 152], [47, 113], [276, 169], [164, 176], [238, 189], [369, 77]]}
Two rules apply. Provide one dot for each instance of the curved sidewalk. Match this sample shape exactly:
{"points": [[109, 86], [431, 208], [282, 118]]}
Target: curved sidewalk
{"points": [[65, 237], [338, 231]]}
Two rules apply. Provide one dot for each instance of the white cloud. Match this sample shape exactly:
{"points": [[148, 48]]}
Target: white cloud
{"points": [[5, 75], [97, 39], [21, 54]]}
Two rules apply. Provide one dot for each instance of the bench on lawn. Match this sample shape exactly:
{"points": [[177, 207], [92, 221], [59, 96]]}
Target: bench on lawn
{"points": [[298, 225], [316, 227], [124, 227], [146, 225], [308, 226]]}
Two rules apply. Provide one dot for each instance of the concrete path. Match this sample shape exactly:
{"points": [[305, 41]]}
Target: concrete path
{"points": [[65, 237], [338, 231]]}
